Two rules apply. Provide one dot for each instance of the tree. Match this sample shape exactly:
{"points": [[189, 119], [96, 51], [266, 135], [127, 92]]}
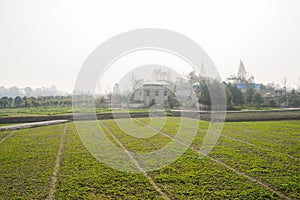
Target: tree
{"points": [[229, 99], [172, 100], [294, 98], [26, 101], [249, 95], [13, 92], [203, 92], [28, 91], [4, 102], [18, 102], [194, 78], [258, 99], [237, 95]]}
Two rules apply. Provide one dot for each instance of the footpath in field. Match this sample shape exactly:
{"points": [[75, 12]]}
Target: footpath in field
{"points": [[31, 125]]}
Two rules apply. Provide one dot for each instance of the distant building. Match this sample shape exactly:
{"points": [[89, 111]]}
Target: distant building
{"points": [[242, 74], [150, 93], [244, 86], [242, 80]]}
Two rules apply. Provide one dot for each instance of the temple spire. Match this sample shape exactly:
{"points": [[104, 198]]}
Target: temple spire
{"points": [[242, 74]]}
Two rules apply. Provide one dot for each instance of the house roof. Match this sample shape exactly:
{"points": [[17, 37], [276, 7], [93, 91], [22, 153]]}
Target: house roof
{"points": [[151, 83], [162, 83]]}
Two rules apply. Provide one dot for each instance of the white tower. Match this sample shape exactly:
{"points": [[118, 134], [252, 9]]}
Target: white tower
{"points": [[242, 74]]}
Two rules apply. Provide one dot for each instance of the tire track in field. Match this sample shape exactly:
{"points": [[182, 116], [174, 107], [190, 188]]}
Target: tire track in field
{"points": [[57, 165], [8, 136], [248, 143], [155, 186], [262, 148], [267, 186], [251, 144]]}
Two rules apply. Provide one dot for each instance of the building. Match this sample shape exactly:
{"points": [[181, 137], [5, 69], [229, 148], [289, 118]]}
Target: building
{"points": [[244, 86], [151, 93], [242, 80]]}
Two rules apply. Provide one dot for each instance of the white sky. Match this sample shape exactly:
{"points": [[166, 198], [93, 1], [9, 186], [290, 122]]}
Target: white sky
{"points": [[44, 43]]}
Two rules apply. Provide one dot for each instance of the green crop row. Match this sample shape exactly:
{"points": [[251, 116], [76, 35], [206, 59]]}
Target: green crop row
{"points": [[83, 177], [27, 160], [265, 151], [192, 177]]}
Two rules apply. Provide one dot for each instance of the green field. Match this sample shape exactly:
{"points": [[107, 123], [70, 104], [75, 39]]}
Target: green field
{"points": [[27, 112], [251, 160]]}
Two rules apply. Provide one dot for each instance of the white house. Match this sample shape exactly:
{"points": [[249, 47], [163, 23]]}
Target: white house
{"points": [[150, 93]]}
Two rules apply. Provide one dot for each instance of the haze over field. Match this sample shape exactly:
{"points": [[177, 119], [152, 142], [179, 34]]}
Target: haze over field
{"points": [[44, 43]]}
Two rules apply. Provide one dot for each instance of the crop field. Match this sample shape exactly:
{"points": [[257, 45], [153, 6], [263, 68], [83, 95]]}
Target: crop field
{"points": [[251, 160]]}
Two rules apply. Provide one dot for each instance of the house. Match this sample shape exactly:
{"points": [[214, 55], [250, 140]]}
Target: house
{"points": [[151, 93]]}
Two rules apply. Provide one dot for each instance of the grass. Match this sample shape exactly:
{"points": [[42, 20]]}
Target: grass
{"points": [[83, 177], [27, 160], [269, 152], [27, 112]]}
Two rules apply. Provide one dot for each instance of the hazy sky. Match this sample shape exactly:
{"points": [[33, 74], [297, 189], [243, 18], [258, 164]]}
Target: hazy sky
{"points": [[44, 43]]}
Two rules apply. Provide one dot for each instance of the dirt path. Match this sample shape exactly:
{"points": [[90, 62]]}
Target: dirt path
{"points": [[31, 125], [57, 164], [281, 195], [158, 189]]}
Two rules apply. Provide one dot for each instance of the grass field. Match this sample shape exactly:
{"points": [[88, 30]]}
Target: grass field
{"points": [[23, 112], [252, 160]]}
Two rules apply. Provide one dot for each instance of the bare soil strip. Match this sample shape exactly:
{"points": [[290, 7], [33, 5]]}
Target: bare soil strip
{"points": [[57, 164], [136, 163], [31, 125], [282, 196], [8, 136]]}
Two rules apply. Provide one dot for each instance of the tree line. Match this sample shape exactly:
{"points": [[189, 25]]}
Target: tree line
{"points": [[29, 92], [236, 99], [29, 102]]}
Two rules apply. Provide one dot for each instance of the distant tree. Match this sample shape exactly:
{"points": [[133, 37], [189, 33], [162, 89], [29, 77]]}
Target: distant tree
{"points": [[212, 92], [172, 99], [203, 94], [237, 95], [26, 101], [99, 102], [4, 102], [294, 98], [229, 99], [13, 92], [28, 91], [258, 99], [272, 103], [3, 91], [193, 77], [18, 102], [249, 95]]}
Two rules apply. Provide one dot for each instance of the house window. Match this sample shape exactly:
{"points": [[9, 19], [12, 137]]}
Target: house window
{"points": [[156, 93], [165, 93], [147, 93]]}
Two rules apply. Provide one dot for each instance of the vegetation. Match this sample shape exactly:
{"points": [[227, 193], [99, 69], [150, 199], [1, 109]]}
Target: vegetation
{"points": [[27, 159], [236, 99], [268, 152]]}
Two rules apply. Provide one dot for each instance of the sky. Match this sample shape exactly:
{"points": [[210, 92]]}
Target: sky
{"points": [[44, 43]]}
